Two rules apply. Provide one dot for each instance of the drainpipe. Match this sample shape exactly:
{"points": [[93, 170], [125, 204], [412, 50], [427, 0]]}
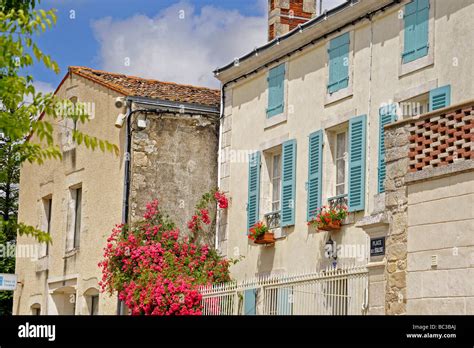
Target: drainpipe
{"points": [[126, 180], [219, 156]]}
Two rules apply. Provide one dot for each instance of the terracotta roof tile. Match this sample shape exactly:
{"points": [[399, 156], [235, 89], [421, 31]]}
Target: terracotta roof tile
{"points": [[140, 87]]}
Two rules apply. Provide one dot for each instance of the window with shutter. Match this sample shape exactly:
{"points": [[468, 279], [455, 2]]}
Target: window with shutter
{"points": [[276, 90], [440, 97], [338, 63], [387, 114], [357, 136], [253, 190], [315, 162], [288, 183], [416, 23]]}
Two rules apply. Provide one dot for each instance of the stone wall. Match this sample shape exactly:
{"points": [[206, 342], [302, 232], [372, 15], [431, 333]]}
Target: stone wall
{"points": [[396, 159], [174, 160]]}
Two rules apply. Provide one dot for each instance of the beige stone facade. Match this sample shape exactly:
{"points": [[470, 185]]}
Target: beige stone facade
{"points": [[65, 280], [377, 77], [80, 198]]}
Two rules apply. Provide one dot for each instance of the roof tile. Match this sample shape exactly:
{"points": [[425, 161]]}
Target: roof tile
{"points": [[140, 87]]}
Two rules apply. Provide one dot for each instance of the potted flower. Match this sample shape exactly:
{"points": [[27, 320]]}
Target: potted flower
{"points": [[329, 219], [260, 234]]}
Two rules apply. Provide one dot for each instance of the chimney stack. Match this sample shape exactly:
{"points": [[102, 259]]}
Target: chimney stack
{"points": [[285, 15]]}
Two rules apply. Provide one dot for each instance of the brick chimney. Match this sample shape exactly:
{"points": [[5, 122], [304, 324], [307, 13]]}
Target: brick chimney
{"points": [[285, 15]]}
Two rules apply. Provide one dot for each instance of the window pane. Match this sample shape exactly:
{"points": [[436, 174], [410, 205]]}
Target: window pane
{"points": [[77, 217], [341, 149], [341, 145], [276, 182], [276, 166]]}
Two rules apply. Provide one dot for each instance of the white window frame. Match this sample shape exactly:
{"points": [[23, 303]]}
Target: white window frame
{"points": [[74, 223], [272, 181], [345, 158], [47, 207]]}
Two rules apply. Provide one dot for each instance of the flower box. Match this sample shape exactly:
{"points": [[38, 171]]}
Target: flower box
{"points": [[266, 238], [331, 226]]}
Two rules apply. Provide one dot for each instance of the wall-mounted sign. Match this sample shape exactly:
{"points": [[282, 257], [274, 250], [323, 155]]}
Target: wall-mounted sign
{"points": [[377, 246], [8, 281]]}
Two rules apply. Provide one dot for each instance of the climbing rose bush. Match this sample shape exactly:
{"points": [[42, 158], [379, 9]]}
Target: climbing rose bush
{"points": [[158, 272]]}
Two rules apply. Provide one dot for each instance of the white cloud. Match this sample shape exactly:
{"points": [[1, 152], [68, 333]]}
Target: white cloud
{"points": [[43, 87], [179, 44]]}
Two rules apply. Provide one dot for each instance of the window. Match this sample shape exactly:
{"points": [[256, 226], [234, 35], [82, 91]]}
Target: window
{"points": [[276, 90], [416, 16], [46, 226], [341, 163], [415, 106], [77, 216], [94, 305], [74, 219], [36, 309], [338, 63], [276, 181]]}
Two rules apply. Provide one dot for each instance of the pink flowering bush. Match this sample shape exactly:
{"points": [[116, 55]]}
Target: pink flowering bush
{"points": [[155, 270]]}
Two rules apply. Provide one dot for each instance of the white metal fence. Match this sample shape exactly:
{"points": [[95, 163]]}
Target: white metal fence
{"points": [[341, 291]]}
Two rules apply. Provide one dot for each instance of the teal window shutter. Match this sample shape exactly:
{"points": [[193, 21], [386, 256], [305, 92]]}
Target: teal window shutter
{"points": [[315, 166], [338, 63], [253, 190], [250, 302], [387, 114], [440, 97], [284, 301], [276, 90], [288, 187], [416, 21], [357, 136]]}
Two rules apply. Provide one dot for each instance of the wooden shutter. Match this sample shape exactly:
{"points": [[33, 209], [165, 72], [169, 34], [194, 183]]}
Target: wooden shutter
{"points": [[315, 164], [357, 136], [338, 63], [250, 302], [288, 186], [253, 190], [387, 114], [284, 301], [276, 80], [440, 97], [422, 19], [416, 37]]}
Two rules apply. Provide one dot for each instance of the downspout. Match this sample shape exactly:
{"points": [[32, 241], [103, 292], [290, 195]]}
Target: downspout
{"points": [[219, 155], [126, 180]]}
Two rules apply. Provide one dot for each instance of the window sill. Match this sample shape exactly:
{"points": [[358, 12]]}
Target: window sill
{"points": [[337, 96], [70, 253], [275, 120], [415, 65]]}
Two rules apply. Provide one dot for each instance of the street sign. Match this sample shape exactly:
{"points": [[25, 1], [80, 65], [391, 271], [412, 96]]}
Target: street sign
{"points": [[377, 246], [8, 281]]}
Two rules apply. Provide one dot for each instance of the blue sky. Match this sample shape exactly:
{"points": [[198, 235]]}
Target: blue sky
{"points": [[182, 41], [168, 40]]}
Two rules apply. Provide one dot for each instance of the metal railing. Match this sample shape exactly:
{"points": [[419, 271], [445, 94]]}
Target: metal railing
{"points": [[341, 291], [338, 201], [272, 219]]}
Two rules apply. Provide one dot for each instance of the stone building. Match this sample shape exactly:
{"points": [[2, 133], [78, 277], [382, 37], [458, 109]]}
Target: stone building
{"points": [[170, 130], [303, 127]]}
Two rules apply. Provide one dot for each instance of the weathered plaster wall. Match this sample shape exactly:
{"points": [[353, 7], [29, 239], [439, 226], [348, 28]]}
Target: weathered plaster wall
{"points": [[101, 177], [174, 160]]}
